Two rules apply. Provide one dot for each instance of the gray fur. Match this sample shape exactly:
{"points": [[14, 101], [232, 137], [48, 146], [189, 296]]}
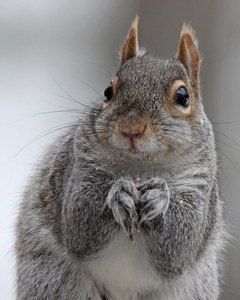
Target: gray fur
{"points": [[154, 200], [121, 200], [86, 231]]}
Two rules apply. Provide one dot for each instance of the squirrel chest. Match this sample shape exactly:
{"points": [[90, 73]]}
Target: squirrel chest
{"points": [[123, 265]]}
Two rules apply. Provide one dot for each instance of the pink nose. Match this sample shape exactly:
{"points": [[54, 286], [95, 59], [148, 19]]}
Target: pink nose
{"points": [[132, 130]]}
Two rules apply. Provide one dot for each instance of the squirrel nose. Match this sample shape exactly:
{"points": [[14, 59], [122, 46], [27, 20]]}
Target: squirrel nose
{"points": [[132, 130]]}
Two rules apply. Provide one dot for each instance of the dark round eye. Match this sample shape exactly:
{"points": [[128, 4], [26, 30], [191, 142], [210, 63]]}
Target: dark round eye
{"points": [[182, 97], [108, 93]]}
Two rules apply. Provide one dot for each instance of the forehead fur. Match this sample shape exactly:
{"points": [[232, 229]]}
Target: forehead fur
{"points": [[150, 74]]}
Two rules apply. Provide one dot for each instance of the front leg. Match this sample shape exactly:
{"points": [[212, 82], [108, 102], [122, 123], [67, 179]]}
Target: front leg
{"points": [[154, 199], [177, 230], [93, 207]]}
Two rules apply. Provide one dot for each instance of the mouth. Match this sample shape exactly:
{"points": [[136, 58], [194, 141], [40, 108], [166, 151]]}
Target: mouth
{"points": [[133, 147], [135, 154]]}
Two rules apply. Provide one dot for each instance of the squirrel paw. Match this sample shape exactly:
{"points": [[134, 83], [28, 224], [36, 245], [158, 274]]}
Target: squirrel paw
{"points": [[154, 199], [121, 199]]}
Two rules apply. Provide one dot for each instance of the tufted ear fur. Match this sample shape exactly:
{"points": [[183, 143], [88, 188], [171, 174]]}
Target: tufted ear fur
{"points": [[130, 47], [189, 55]]}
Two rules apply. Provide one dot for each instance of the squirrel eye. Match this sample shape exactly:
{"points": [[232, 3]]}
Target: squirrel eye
{"points": [[108, 93], [182, 97]]}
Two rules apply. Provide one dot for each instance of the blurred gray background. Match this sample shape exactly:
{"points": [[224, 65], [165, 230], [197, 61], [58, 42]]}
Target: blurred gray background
{"points": [[54, 50]]}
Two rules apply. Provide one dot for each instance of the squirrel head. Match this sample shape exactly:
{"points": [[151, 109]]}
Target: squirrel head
{"points": [[153, 105]]}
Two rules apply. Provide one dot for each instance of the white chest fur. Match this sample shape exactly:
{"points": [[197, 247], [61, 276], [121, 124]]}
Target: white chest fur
{"points": [[123, 266]]}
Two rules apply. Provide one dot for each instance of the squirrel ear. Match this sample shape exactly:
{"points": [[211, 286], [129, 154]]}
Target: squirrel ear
{"points": [[130, 47], [189, 55]]}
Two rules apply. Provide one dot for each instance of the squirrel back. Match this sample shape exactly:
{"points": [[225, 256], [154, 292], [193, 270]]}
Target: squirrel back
{"points": [[126, 205]]}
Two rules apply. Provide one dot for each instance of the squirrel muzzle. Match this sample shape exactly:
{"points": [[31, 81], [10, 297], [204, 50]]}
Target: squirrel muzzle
{"points": [[132, 130]]}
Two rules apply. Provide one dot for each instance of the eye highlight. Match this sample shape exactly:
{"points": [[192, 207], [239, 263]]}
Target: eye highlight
{"points": [[181, 97], [108, 93]]}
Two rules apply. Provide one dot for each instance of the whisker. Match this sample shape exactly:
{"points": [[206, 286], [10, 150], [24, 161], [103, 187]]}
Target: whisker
{"points": [[45, 133], [101, 66], [224, 123], [66, 98], [50, 112], [231, 162], [220, 141], [88, 85], [227, 137]]}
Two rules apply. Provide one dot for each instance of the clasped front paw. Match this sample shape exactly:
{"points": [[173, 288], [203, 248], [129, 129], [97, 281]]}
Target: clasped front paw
{"points": [[154, 199], [121, 200]]}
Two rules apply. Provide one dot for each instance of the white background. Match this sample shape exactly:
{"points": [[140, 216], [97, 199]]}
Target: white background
{"points": [[53, 50]]}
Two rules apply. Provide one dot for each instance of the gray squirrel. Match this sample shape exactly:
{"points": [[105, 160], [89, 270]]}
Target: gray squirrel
{"points": [[125, 206]]}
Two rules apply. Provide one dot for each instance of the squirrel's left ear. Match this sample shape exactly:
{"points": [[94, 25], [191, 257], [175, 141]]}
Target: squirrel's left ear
{"points": [[130, 47], [189, 55]]}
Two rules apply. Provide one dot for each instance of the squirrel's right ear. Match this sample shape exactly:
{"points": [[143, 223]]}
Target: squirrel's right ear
{"points": [[189, 55], [130, 47]]}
